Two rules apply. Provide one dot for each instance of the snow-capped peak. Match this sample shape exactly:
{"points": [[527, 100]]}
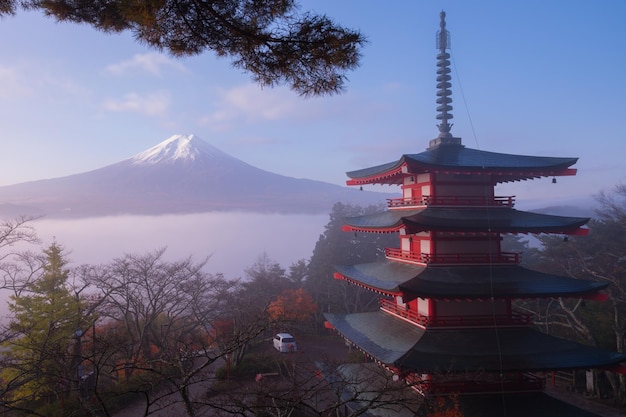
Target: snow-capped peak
{"points": [[178, 147]]}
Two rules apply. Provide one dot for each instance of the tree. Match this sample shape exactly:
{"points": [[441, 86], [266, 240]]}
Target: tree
{"points": [[16, 231], [17, 265], [302, 386], [444, 406], [298, 272], [601, 256], [292, 305], [266, 280], [12, 233], [163, 324], [42, 360], [336, 247], [149, 299], [266, 38], [530, 256]]}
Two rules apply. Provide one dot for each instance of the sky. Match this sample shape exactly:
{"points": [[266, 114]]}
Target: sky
{"points": [[533, 77]]}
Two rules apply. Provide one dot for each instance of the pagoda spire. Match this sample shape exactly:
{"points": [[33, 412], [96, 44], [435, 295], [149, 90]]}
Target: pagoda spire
{"points": [[444, 98]]}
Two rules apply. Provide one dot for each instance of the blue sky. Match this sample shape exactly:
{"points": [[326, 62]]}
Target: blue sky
{"points": [[533, 77]]}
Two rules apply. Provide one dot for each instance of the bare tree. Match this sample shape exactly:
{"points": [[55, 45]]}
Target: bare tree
{"points": [[14, 257], [304, 386], [16, 231], [157, 335], [18, 267], [600, 256]]}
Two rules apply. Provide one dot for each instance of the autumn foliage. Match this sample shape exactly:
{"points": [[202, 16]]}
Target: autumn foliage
{"points": [[292, 305], [446, 406]]}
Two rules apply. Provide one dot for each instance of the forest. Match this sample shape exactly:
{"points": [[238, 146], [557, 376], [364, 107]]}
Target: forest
{"points": [[141, 329]]}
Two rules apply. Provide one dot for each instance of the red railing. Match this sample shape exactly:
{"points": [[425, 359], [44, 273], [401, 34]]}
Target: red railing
{"points": [[497, 201], [404, 202], [455, 321], [405, 255], [454, 258], [524, 382]]}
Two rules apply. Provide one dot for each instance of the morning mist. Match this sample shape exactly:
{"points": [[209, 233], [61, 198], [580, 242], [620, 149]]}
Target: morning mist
{"points": [[234, 241]]}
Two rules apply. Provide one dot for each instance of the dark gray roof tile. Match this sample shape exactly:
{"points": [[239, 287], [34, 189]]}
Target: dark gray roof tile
{"points": [[467, 159], [464, 219], [511, 281], [397, 343]]}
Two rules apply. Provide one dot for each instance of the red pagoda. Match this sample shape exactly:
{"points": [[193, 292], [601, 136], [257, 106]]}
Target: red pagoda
{"points": [[446, 323]]}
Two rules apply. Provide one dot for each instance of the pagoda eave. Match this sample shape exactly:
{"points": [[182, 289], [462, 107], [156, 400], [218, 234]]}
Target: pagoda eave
{"points": [[503, 177], [458, 282], [396, 176], [498, 175], [417, 228], [397, 343], [459, 160], [392, 292], [472, 231], [392, 177], [355, 229], [465, 220]]}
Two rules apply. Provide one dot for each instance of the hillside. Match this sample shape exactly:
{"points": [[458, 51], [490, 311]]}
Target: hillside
{"points": [[182, 174]]}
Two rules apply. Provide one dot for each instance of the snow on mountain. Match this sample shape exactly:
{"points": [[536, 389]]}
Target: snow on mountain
{"points": [[182, 174], [178, 147]]}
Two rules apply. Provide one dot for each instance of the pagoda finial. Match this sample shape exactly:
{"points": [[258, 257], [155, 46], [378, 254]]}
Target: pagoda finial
{"points": [[443, 36], [443, 87]]}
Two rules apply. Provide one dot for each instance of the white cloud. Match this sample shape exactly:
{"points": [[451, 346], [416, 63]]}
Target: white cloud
{"points": [[256, 104], [13, 84], [249, 104], [151, 63], [155, 104]]}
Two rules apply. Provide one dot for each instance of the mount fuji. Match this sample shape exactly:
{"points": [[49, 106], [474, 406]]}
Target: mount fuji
{"points": [[182, 174]]}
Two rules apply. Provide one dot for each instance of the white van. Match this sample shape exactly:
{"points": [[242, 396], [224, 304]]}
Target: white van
{"points": [[284, 342]]}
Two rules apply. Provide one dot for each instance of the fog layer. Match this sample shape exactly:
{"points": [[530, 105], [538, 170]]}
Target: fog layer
{"points": [[234, 241]]}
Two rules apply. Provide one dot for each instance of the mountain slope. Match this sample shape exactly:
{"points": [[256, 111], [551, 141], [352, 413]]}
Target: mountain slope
{"points": [[182, 174]]}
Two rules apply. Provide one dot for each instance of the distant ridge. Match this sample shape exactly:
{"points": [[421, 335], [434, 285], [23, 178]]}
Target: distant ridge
{"points": [[182, 174]]}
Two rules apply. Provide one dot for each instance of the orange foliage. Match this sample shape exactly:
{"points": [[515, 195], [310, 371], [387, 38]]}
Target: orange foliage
{"points": [[222, 328], [292, 305], [446, 407]]}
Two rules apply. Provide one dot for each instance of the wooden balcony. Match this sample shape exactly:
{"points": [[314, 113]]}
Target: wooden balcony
{"points": [[512, 320], [455, 201], [506, 258]]}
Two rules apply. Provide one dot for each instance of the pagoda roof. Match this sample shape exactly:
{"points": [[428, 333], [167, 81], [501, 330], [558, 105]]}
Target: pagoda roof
{"points": [[458, 159], [536, 404], [373, 387], [395, 342], [465, 282], [465, 219]]}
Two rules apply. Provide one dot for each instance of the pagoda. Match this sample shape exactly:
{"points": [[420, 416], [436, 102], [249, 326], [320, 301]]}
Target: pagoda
{"points": [[446, 322]]}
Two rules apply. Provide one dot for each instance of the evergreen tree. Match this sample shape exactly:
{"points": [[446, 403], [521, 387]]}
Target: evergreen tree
{"points": [[43, 362], [266, 280], [298, 272], [266, 38], [530, 256], [336, 247]]}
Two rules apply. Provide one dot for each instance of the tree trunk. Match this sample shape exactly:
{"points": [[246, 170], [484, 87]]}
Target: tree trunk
{"points": [[185, 395]]}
